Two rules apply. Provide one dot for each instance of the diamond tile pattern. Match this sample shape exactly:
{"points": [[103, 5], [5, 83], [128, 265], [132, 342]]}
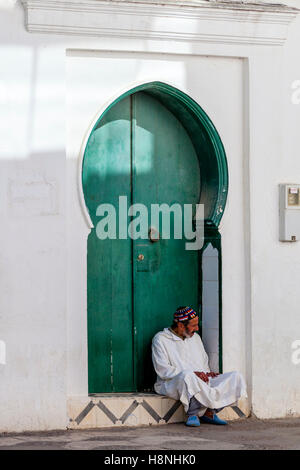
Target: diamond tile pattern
{"points": [[134, 405], [128, 412]]}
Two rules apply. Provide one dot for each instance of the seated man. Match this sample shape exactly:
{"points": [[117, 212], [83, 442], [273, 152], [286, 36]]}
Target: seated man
{"points": [[183, 373]]}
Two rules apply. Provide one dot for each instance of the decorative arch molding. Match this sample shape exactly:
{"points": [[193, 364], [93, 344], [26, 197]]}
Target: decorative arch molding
{"points": [[212, 162]]}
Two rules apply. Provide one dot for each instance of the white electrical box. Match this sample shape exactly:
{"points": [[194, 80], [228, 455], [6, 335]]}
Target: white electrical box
{"points": [[289, 212]]}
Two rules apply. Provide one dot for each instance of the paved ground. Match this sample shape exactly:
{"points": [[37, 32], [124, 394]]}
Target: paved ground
{"points": [[243, 434]]}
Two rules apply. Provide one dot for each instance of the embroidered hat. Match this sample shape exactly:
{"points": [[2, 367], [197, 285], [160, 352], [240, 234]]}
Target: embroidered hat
{"points": [[184, 313]]}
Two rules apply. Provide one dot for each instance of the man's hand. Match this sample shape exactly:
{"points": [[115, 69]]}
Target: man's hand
{"points": [[212, 374], [202, 375]]}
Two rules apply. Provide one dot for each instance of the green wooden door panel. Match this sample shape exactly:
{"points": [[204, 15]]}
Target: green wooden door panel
{"points": [[166, 170], [106, 175]]}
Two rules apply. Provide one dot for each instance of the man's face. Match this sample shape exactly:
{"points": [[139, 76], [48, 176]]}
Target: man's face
{"points": [[190, 328]]}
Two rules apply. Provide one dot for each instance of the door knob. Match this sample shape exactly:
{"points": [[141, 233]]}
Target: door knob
{"points": [[141, 257]]}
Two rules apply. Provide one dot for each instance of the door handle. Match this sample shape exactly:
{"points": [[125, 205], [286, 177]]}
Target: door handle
{"points": [[153, 235]]}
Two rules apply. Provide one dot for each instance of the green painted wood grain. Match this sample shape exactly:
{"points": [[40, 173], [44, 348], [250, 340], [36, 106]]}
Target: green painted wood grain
{"points": [[106, 175]]}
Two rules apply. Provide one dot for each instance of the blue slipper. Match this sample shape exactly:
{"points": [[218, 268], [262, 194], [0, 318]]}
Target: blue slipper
{"points": [[192, 421], [214, 420]]}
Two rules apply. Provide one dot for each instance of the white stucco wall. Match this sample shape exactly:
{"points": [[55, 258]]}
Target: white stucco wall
{"points": [[275, 266], [33, 228], [51, 88]]}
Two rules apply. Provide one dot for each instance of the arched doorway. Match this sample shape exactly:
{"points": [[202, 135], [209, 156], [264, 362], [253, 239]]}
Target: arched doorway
{"points": [[153, 145]]}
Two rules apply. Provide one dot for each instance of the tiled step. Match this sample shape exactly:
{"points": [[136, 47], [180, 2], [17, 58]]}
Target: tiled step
{"points": [[133, 409]]}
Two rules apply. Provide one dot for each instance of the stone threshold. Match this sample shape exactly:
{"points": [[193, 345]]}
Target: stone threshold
{"points": [[134, 409]]}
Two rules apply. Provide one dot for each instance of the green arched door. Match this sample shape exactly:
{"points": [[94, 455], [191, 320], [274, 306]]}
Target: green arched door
{"points": [[140, 150]]}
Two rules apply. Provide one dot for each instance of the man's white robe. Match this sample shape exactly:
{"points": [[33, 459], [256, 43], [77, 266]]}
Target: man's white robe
{"points": [[175, 360]]}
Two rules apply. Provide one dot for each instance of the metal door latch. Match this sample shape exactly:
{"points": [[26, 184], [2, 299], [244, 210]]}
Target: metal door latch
{"points": [[153, 234]]}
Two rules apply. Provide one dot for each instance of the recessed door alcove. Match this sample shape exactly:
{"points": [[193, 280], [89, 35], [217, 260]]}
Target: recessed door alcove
{"points": [[154, 145]]}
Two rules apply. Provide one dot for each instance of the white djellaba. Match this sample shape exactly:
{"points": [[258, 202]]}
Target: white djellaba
{"points": [[175, 360]]}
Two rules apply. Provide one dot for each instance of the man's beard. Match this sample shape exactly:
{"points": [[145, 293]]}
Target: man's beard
{"points": [[187, 334]]}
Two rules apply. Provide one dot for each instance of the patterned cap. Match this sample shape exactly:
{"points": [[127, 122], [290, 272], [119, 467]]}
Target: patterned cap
{"points": [[184, 313]]}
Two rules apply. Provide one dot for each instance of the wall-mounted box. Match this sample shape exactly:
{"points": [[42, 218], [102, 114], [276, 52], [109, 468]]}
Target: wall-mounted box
{"points": [[289, 212]]}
